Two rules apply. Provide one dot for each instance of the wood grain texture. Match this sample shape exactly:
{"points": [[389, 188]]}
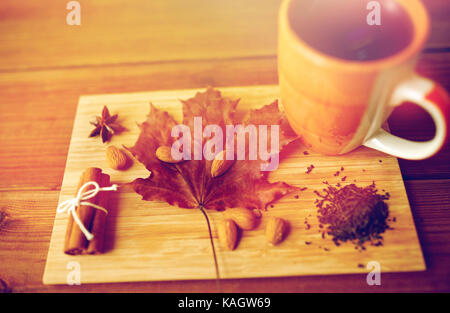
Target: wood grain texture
{"points": [[45, 66], [35, 34], [43, 115], [37, 109], [23, 259], [135, 31], [155, 241]]}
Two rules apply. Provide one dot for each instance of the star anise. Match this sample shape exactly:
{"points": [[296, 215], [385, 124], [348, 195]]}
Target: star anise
{"points": [[106, 125]]}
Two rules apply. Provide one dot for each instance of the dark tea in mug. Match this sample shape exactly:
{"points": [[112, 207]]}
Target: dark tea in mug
{"points": [[339, 28]]}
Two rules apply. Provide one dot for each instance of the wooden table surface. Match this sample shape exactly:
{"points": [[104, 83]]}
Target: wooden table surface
{"points": [[126, 46]]}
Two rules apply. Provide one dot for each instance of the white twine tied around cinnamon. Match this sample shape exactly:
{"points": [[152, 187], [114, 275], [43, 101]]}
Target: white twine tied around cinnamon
{"points": [[71, 204]]}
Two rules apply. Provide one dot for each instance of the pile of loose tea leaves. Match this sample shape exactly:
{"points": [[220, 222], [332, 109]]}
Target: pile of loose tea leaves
{"points": [[352, 213]]}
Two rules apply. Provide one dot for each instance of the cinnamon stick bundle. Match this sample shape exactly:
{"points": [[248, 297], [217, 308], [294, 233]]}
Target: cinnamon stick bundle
{"points": [[93, 219]]}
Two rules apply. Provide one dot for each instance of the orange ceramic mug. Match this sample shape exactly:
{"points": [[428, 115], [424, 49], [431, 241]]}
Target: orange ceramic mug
{"points": [[340, 78]]}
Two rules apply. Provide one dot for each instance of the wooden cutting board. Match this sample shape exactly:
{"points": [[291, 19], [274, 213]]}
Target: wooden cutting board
{"points": [[149, 241]]}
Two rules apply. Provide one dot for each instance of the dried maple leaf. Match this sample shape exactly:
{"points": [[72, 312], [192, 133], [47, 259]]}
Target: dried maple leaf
{"points": [[189, 184]]}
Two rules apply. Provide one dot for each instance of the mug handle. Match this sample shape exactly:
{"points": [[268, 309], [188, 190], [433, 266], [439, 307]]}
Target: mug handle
{"points": [[432, 98]]}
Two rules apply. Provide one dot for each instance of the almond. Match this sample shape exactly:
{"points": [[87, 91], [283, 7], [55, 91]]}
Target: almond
{"points": [[227, 231], [220, 165], [244, 218], [116, 158], [164, 153], [275, 230]]}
